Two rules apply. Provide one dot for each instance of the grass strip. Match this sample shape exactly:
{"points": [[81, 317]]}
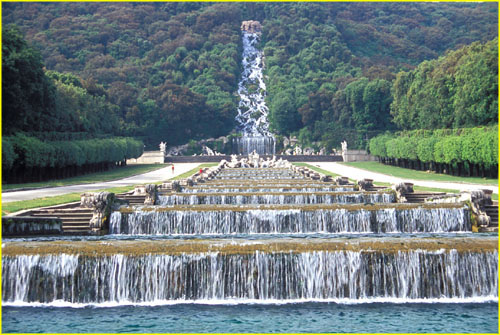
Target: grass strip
{"points": [[16, 206], [418, 175], [379, 183], [118, 173], [430, 189]]}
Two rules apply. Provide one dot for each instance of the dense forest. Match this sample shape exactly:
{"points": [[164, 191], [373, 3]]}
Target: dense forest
{"points": [[169, 71], [53, 124]]}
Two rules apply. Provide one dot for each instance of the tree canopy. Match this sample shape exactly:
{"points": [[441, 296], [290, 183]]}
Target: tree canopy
{"points": [[168, 71]]}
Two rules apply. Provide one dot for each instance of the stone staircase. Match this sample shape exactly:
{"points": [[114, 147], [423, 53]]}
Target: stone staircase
{"points": [[492, 212], [419, 197], [133, 200], [75, 221]]}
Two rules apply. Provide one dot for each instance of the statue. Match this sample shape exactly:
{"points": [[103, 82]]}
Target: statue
{"points": [[344, 146], [163, 146]]}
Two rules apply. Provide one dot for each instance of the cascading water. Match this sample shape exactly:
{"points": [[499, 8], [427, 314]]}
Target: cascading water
{"points": [[245, 247], [164, 221], [265, 189], [252, 119], [274, 198], [401, 276]]}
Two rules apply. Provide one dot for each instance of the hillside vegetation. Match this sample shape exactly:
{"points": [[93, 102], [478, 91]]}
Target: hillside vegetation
{"points": [[169, 71]]}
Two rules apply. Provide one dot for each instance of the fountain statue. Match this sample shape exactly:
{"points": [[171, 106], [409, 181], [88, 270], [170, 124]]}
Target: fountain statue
{"points": [[163, 146]]}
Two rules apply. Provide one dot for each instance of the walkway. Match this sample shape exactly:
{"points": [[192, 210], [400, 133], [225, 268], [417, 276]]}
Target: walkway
{"points": [[166, 173], [146, 178], [357, 174]]}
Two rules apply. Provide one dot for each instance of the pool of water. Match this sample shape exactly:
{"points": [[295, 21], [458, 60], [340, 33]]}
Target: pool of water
{"points": [[257, 236], [256, 318]]}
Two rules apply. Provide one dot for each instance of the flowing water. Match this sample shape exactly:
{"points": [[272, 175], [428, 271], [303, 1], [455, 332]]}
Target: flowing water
{"points": [[252, 110], [164, 221], [307, 317], [216, 257], [338, 276], [259, 250], [233, 198]]}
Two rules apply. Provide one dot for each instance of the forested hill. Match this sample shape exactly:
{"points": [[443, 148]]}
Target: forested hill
{"points": [[170, 70]]}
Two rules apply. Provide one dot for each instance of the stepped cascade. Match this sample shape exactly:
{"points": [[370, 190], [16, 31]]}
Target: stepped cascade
{"points": [[247, 274], [235, 234], [252, 115]]}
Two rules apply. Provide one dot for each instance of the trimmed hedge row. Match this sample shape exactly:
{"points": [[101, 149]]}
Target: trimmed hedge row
{"points": [[465, 151], [21, 155]]}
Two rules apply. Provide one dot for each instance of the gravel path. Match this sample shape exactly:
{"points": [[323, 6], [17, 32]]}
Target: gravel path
{"points": [[146, 178], [357, 174]]}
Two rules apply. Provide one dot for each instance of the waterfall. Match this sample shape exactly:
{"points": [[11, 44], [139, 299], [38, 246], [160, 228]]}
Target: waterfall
{"points": [[252, 115], [263, 189], [354, 276], [276, 198], [246, 145], [164, 221]]}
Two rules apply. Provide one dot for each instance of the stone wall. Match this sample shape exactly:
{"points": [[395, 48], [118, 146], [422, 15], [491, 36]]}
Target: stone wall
{"points": [[26, 225], [216, 159], [148, 157], [358, 156]]}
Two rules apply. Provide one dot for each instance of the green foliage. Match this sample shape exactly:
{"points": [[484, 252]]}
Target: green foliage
{"points": [[459, 89], [168, 71], [377, 145], [450, 146], [29, 152], [111, 62], [425, 149], [8, 154], [27, 94]]}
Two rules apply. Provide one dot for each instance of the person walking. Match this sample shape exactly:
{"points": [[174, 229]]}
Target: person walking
{"points": [[172, 168]]}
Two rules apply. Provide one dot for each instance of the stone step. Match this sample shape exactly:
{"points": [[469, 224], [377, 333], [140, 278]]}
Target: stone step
{"points": [[492, 212], [419, 197], [488, 229], [63, 211], [76, 223], [65, 215], [74, 228]]}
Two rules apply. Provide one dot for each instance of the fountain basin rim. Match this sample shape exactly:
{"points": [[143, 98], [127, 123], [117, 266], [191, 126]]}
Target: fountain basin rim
{"points": [[296, 207], [284, 193], [230, 247]]}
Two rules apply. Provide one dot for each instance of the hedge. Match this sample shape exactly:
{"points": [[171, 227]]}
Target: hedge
{"points": [[21, 153], [461, 149]]}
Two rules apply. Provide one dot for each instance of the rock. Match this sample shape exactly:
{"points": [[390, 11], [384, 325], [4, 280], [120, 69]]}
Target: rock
{"points": [[341, 180], [365, 184], [102, 205], [139, 190], [251, 26], [403, 188], [151, 193]]}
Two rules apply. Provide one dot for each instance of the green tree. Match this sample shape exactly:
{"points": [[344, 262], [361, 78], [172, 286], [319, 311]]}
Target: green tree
{"points": [[27, 93]]}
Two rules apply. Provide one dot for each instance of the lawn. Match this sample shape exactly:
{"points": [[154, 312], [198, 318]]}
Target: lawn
{"points": [[12, 207], [15, 206], [378, 183], [118, 173], [418, 175]]}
